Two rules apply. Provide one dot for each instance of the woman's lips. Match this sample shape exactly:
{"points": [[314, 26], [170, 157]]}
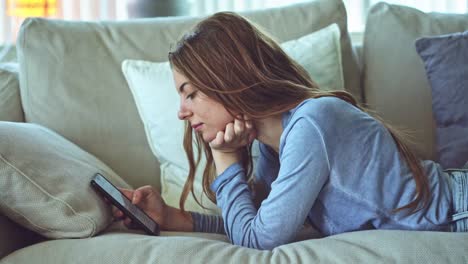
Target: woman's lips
{"points": [[197, 127]]}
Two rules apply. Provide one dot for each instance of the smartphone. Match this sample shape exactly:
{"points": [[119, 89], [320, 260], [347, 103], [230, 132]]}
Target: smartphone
{"points": [[117, 198]]}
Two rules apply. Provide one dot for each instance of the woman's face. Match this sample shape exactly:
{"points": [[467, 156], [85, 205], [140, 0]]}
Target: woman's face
{"points": [[205, 115]]}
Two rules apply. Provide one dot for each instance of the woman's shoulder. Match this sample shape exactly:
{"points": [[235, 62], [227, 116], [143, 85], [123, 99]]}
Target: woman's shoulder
{"points": [[325, 112], [314, 106]]}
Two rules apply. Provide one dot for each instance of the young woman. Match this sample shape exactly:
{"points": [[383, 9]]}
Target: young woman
{"points": [[323, 158]]}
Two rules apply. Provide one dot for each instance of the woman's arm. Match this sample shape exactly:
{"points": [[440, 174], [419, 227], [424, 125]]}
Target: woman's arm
{"points": [[303, 172], [266, 168], [193, 222]]}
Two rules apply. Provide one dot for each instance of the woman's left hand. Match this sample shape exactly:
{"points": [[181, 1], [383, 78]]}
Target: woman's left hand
{"points": [[236, 135]]}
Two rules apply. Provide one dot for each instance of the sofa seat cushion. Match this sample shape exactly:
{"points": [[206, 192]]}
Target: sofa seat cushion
{"points": [[376, 246], [395, 82], [45, 183]]}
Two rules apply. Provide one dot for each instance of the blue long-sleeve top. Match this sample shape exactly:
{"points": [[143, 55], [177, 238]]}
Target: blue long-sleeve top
{"points": [[338, 168]]}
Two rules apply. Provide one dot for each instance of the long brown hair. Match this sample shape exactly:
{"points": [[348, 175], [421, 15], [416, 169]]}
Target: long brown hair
{"points": [[234, 62]]}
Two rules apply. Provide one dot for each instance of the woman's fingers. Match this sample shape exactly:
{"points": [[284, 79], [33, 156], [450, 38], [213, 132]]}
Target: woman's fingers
{"points": [[238, 127], [137, 196], [219, 139], [127, 192], [236, 134], [116, 212], [229, 134], [128, 222], [248, 123], [118, 215], [245, 130], [141, 193]]}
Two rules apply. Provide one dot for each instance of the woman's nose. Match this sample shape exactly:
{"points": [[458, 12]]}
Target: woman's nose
{"points": [[183, 113]]}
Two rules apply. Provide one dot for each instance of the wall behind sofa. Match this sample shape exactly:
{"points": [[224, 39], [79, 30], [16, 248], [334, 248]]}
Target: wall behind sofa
{"points": [[11, 17]]}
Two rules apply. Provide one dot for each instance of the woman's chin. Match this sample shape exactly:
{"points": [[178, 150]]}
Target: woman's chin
{"points": [[208, 138]]}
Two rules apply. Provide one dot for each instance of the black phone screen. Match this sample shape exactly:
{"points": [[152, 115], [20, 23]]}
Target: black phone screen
{"points": [[117, 198]]}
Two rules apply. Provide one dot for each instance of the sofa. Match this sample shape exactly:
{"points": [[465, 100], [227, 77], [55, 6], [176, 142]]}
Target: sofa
{"points": [[65, 80]]}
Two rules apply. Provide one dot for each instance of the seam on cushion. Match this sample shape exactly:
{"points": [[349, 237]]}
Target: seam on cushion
{"points": [[93, 224], [27, 219]]}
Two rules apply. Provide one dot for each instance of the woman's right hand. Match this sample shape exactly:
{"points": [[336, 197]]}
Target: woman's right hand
{"points": [[147, 199]]}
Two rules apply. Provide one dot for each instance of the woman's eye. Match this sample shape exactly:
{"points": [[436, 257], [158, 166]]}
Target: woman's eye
{"points": [[190, 96]]}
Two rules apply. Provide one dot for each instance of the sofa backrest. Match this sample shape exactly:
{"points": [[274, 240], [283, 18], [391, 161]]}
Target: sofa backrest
{"points": [[71, 80], [8, 53], [394, 79], [10, 102]]}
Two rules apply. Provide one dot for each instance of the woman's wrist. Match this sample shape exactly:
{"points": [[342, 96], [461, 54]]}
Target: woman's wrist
{"points": [[176, 220], [223, 160]]}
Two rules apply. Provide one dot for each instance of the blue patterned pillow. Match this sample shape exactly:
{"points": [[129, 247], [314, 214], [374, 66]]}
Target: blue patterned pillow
{"points": [[446, 62]]}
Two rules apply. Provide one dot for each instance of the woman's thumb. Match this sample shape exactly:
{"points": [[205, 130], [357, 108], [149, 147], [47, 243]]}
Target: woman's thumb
{"points": [[141, 193], [136, 197]]}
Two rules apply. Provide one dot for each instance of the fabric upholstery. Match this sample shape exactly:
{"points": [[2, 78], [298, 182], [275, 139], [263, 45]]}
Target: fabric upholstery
{"points": [[8, 53], [45, 183], [357, 247], [78, 93], [394, 78], [10, 102]]}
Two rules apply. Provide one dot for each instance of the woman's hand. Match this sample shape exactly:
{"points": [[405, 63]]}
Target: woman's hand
{"points": [[227, 143], [236, 135], [147, 199]]}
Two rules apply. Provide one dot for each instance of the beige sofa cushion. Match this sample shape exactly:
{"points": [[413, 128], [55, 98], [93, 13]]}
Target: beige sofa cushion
{"points": [[45, 183], [10, 102], [395, 82], [8, 53], [71, 79], [381, 246]]}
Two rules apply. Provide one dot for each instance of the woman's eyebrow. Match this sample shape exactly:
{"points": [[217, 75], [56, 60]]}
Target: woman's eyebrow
{"points": [[181, 88]]}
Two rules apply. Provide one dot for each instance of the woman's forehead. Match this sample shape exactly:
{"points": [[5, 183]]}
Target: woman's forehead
{"points": [[179, 77]]}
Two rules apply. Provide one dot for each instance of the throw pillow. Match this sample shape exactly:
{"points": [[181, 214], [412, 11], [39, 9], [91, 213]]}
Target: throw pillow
{"points": [[445, 59], [153, 89], [45, 183]]}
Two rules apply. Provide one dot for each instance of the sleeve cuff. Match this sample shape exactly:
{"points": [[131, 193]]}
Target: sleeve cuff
{"points": [[207, 223], [229, 173]]}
